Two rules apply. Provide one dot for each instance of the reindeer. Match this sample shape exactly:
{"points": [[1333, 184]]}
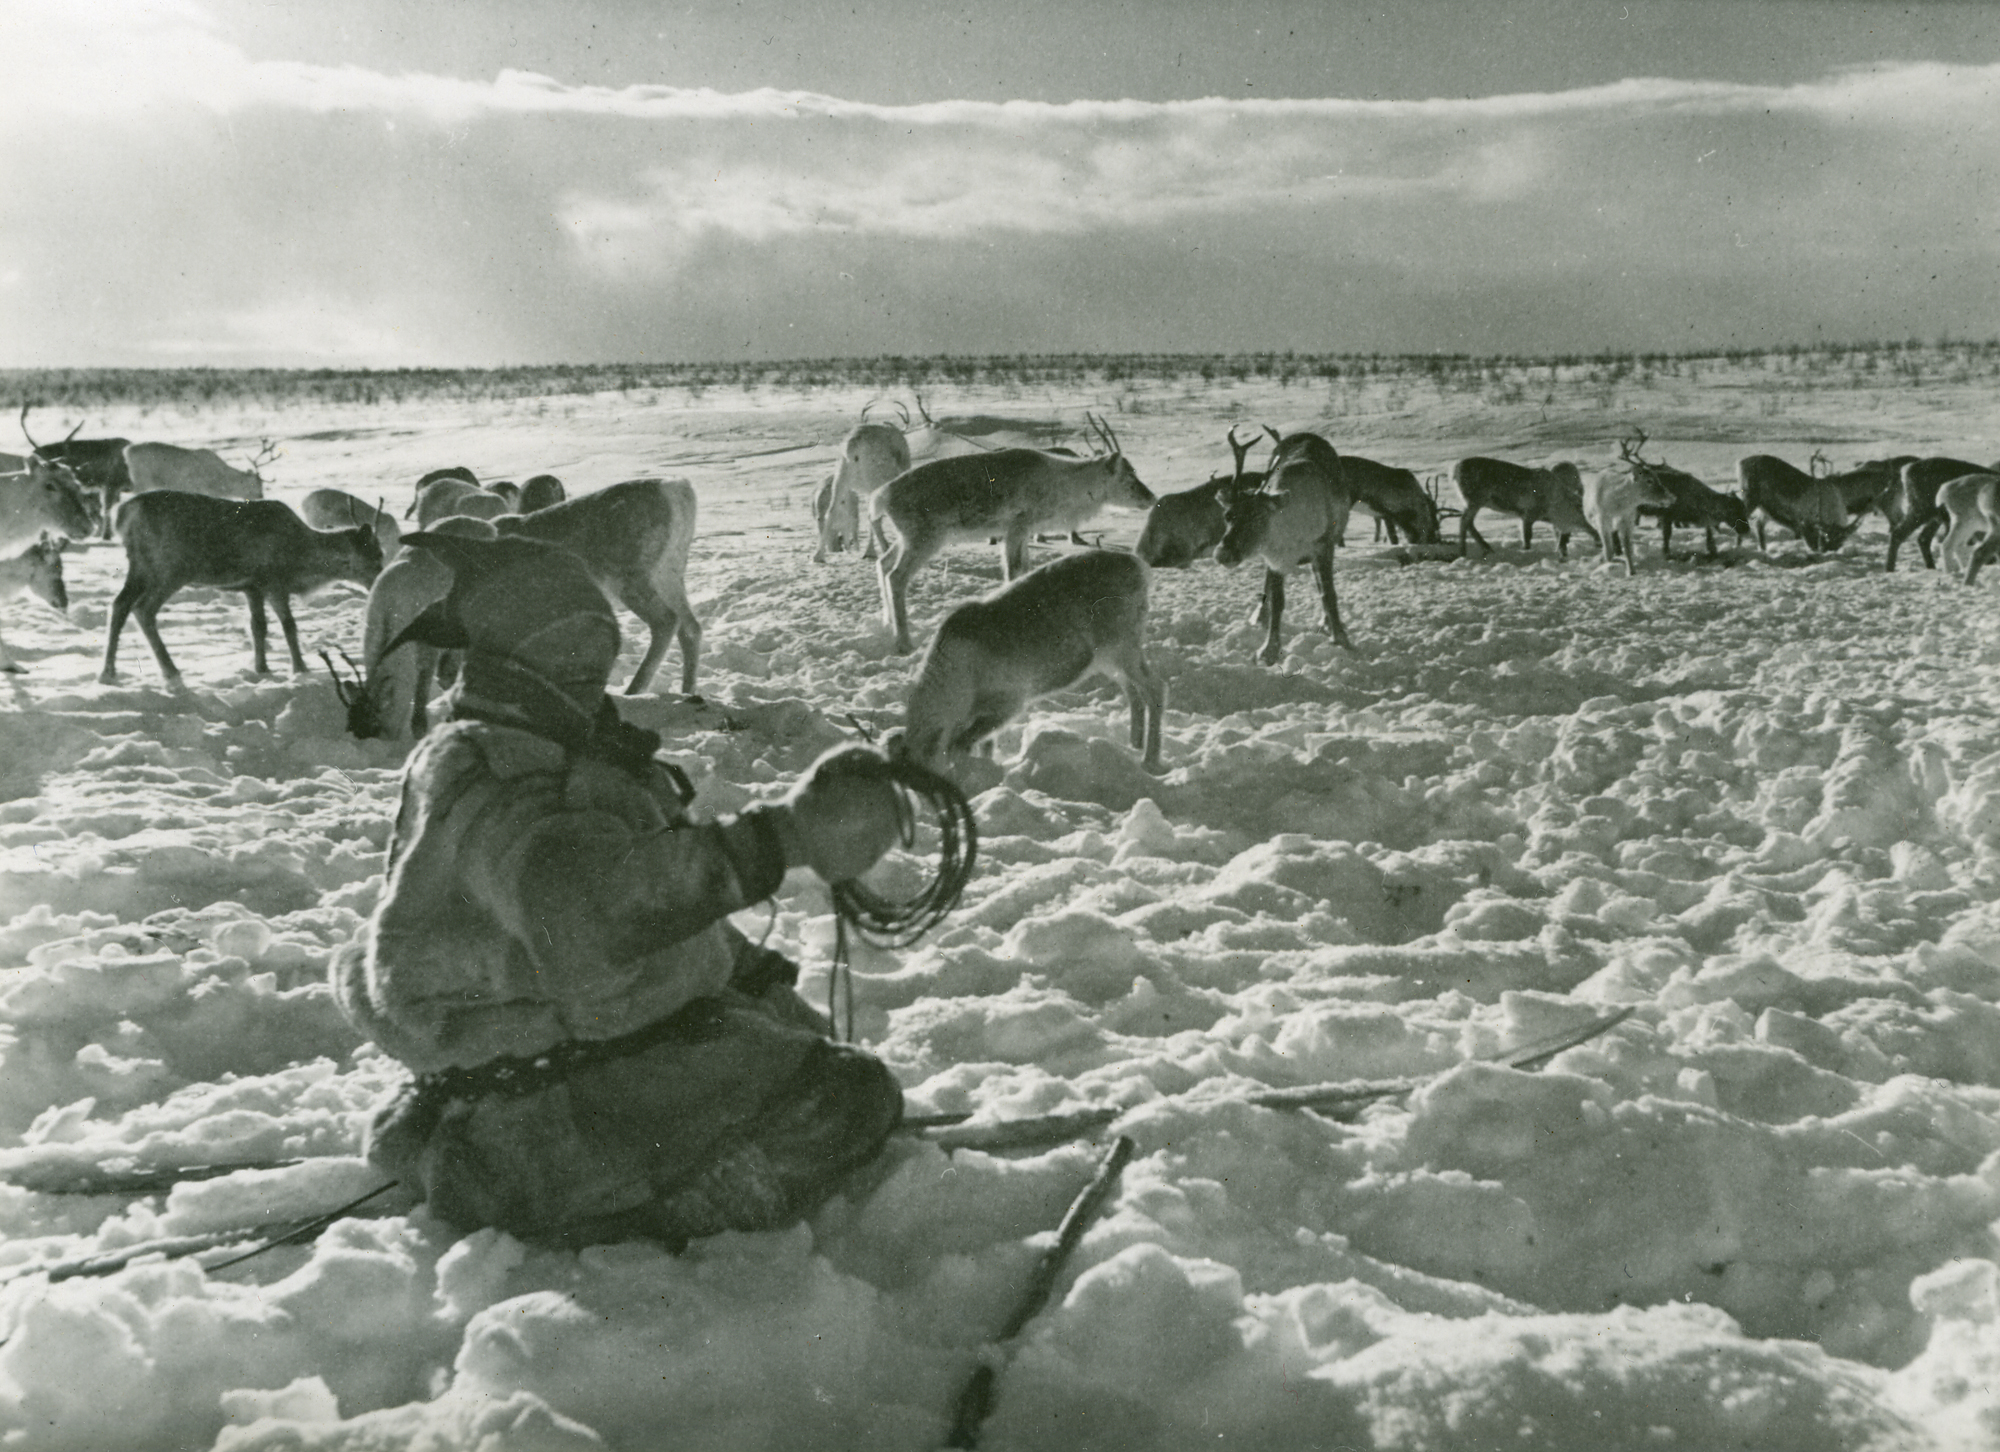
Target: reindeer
{"points": [[37, 570], [42, 498], [450, 471], [1815, 509], [1972, 505], [1612, 497], [1918, 510], [1394, 496], [1695, 505], [1181, 528], [870, 456], [258, 546], [634, 539], [337, 509], [195, 471], [442, 498], [1076, 616], [391, 690], [1007, 492], [540, 492], [99, 464], [1554, 493], [1296, 515]]}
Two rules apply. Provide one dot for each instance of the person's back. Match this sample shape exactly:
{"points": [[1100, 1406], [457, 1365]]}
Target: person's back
{"points": [[597, 1052]]}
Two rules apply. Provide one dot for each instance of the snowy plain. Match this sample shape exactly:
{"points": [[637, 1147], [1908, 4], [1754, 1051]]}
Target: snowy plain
{"points": [[1758, 801]]}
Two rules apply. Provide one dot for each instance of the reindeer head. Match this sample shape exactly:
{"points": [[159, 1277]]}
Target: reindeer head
{"points": [[1126, 486], [266, 452], [364, 720], [58, 497]]}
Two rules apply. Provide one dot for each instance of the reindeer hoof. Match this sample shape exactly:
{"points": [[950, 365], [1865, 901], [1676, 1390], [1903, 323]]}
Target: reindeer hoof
{"points": [[13, 670], [107, 678]]}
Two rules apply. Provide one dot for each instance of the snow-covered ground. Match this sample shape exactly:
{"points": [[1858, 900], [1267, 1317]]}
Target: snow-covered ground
{"points": [[1758, 802]]}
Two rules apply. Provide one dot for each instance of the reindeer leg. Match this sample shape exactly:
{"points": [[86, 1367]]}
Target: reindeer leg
{"points": [[1014, 555], [1925, 536], [1323, 569], [260, 627], [1467, 527], [148, 610], [282, 603], [1274, 611], [120, 609], [911, 556]]}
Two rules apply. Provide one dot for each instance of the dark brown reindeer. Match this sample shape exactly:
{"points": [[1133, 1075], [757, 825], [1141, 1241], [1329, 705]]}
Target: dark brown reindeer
{"points": [[1181, 528], [1554, 494], [257, 546], [1918, 511]]}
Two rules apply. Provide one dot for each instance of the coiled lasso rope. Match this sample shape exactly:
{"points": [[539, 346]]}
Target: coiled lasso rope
{"points": [[883, 922]]}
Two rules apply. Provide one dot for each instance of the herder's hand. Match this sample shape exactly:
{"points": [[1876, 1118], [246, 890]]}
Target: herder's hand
{"points": [[842, 816]]}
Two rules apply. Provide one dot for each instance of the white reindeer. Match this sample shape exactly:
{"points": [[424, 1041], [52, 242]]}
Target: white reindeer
{"points": [[337, 509], [870, 456], [1079, 615], [37, 570], [41, 498], [1009, 493], [1612, 496], [634, 539], [1971, 505]]}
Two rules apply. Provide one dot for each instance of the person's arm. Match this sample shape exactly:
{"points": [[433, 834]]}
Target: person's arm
{"points": [[585, 886]]}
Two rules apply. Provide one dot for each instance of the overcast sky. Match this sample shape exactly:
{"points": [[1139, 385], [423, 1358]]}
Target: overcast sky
{"points": [[359, 183]]}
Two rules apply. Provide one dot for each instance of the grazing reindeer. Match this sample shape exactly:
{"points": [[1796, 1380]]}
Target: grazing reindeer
{"points": [[634, 539], [37, 570], [541, 492], [257, 546], [1611, 500], [870, 456], [1394, 496], [1181, 528], [1296, 515], [1814, 509], [337, 509], [1554, 493], [1696, 506], [195, 471], [391, 691], [99, 465], [1076, 616], [1918, 510], [1007, 492], [1972, 507], [43, 498]]}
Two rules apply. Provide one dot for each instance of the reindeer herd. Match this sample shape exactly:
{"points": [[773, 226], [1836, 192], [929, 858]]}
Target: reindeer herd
{"points": [[187, 518]]}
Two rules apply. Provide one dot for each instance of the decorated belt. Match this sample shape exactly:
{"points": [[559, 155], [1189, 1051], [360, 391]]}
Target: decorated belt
{"points": [[515, 1075]]}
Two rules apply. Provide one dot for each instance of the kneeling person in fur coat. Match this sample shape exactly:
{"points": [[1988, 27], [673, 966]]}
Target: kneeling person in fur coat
{"points": [[597, 1052]]}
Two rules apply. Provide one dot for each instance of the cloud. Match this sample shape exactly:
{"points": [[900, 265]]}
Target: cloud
{"points": [[172, 196]]}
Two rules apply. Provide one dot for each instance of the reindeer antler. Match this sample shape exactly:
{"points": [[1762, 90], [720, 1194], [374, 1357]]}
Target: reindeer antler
{"points": [[929, 422], [25, 406], [1628, 448], [1819, 463], [1103, 432], [265, 455]]}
